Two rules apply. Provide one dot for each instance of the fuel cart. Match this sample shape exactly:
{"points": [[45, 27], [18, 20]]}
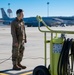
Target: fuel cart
{"points": [[61, 52]]}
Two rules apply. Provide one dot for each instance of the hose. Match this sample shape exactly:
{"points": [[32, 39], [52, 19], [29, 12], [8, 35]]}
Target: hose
{"points": [[63, 62], [72, 56]]}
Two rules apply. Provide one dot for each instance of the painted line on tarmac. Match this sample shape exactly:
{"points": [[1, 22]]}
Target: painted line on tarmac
{"points": [[28, 73], [3, 74], [21, 73]]}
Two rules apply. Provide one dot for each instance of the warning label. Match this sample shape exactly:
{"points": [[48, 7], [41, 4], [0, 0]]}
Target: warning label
{"points": [[57, 48]]}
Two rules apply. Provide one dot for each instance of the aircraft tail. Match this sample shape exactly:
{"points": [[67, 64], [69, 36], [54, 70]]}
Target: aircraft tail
{"points": [[4, 15]]}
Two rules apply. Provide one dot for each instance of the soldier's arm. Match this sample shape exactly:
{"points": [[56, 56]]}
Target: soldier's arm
{"points": [[25, 38], [25, 34], [13, 32]]}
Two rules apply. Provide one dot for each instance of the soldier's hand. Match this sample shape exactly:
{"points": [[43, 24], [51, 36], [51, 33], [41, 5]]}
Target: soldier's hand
{"points": [[25, 41], [16, 44]]}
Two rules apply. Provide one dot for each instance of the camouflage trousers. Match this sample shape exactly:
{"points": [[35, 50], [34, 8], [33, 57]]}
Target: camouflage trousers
{"points": [[17, 54]]}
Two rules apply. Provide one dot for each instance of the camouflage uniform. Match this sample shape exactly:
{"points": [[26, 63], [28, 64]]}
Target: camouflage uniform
{"points": [[18, 36]]}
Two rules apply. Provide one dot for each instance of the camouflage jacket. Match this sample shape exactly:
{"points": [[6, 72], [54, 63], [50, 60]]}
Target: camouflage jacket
{"points": [[16, 32]]}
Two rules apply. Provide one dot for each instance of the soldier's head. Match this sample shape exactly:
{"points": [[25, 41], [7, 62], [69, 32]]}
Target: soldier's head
{"points": [[20, 13]]}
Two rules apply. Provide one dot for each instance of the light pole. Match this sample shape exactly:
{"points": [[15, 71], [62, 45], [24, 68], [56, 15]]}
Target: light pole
{"points": [[9, 5], [8, 9], [47, 9]]}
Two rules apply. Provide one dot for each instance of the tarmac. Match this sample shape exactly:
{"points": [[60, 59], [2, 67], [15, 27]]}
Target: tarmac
{"points": [[33, 54]]}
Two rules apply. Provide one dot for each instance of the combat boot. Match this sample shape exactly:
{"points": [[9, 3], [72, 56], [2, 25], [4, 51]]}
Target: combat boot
{"points": [[16, 67], [23, 67]]}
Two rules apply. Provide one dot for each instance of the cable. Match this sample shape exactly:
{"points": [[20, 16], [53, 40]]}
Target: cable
{"points": [[72, 56], [60, 57], [63, 62], [4, 60]]}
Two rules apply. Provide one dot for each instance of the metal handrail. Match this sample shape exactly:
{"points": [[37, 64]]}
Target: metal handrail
{"points": [[50, 30]]}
